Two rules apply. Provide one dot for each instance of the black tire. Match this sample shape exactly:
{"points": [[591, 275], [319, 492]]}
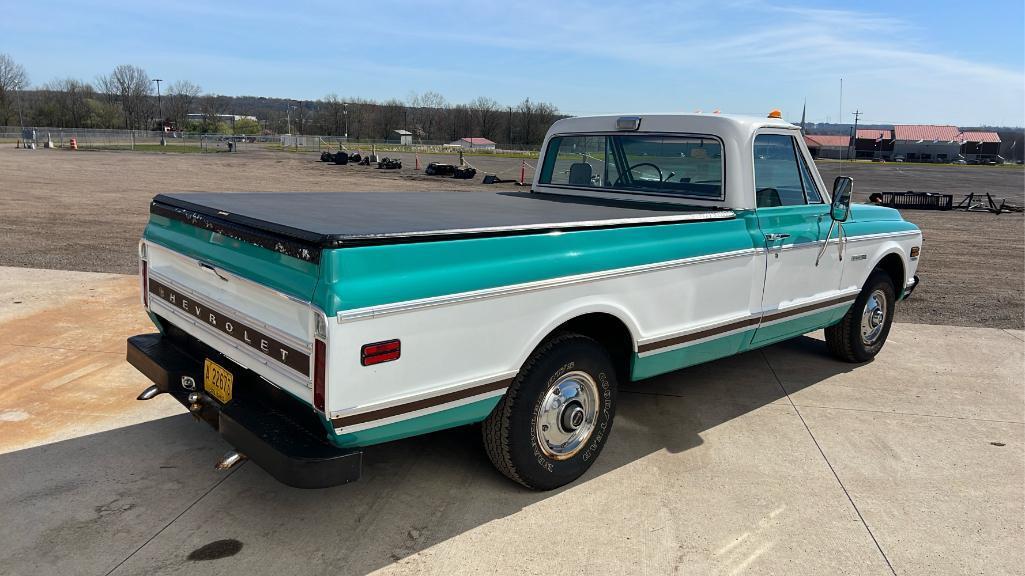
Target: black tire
{"points": [[511, 431], [341, 158], [845, 338]]}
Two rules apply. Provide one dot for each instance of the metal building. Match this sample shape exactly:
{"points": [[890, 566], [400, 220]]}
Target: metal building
{"points": [[926, 143], [475, 143], [832, 146], [873, 143], [403, 137], [980, 146]]}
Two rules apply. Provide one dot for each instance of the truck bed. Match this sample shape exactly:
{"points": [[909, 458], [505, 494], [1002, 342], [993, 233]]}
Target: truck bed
{"points": [[316, 220]]}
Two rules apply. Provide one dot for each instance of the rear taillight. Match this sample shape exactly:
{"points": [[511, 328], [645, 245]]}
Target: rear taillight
{"points": [[379, 352], [144, 271], [319, 358]]}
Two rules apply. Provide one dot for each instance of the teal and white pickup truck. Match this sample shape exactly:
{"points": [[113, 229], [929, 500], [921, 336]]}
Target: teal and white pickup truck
{"points": [[307, 327]]}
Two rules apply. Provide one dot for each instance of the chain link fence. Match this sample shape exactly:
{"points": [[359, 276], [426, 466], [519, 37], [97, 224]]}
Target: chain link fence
{"points": [[141, 140]]}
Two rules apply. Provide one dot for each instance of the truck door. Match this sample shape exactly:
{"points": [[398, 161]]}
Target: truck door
{"points": [[793, 215]]}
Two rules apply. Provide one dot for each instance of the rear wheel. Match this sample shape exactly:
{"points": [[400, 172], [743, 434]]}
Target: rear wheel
{"points": [[556, 416], [860, 335]]}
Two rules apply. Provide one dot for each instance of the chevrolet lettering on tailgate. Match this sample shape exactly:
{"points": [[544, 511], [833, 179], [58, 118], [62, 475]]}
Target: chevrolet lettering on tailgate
{"points": [[283, 353]]}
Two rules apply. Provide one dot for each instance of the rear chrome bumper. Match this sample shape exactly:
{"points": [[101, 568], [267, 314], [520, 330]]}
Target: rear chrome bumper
{"points": [[267, 425]]}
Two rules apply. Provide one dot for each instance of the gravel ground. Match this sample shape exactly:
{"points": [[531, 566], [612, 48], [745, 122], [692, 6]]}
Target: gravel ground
{"points": [[85, 211]]}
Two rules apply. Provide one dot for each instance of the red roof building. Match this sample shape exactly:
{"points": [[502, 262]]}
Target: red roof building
{"points": [[474, 143], [980, 137], [980, 145], [828, 145], [873, 143], [874, 134], [926, 133], [828, 140]]}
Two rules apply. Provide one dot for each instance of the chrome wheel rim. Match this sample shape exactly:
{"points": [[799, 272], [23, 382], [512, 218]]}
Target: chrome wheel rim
{"points": [[873, 317], [567, 415]]}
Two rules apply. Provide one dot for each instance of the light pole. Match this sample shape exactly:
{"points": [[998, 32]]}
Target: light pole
{"points": [[17, 91], [288, 113], [345, 113], [160, 109]]}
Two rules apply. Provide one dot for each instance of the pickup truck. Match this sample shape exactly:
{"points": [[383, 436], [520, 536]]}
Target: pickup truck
{"points": [[307, 327]]}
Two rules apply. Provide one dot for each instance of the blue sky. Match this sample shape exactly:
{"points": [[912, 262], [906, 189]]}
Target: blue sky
{"points": [[908, 61]]}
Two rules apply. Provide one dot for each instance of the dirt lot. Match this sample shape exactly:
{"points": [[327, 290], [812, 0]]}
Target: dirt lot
{"points": [[85, 211]]}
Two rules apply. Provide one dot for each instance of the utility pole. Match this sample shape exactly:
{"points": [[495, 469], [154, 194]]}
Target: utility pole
{"points": [[854, 136], [160, 109]]}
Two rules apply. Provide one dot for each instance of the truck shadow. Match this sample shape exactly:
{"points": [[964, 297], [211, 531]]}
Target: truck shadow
{"points": [[85, 505]]}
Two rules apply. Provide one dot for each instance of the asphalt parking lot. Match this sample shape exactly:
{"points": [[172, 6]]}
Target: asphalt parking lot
{"points": [[779, 461]]}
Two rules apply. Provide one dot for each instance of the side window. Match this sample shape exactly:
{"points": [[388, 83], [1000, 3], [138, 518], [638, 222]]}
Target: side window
{"points": [[777, 175], [575, 161], [811, 191]]}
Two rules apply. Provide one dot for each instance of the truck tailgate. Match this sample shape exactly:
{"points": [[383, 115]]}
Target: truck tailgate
{"points": [[262, 329]]}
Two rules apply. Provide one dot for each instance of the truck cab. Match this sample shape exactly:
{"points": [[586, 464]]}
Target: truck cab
{"points": [[307, 327]]}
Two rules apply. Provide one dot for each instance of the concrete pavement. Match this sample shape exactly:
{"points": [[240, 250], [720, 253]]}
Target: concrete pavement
{"points": [[777, 461]]}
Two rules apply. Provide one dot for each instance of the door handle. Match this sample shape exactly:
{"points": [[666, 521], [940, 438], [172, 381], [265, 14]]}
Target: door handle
{"points": [[775, 237], [212, 270]]}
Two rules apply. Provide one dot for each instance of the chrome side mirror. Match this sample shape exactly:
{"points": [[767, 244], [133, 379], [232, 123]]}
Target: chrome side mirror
{"points": [[843, 186], [839, 210]]}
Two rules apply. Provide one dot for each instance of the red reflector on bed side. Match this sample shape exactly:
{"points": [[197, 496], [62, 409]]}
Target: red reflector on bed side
{"points": [[379, 352]]}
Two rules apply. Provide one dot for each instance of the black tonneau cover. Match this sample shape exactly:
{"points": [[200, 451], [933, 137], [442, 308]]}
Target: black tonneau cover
{"points": [[337, 219]]}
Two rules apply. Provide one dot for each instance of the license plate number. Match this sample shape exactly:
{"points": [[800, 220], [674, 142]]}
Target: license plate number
{"points": [[217, 381]]}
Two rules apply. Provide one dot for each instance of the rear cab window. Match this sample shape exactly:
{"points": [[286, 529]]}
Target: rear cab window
{"points": [[660, 164]]}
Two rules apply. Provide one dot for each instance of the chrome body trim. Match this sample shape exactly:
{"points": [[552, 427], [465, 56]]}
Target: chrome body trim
{"points": [[700, 216], [501, 291]]}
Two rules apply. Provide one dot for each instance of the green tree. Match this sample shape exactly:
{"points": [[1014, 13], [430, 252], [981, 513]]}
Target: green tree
{"points": [[247, 126]]}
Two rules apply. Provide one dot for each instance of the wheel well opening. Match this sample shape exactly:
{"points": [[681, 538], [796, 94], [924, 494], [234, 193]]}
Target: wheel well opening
{"points": [[610, 332], [894, 268]]}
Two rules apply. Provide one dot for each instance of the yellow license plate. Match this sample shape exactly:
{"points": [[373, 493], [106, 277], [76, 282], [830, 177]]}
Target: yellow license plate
{"points": [[217, 381]]}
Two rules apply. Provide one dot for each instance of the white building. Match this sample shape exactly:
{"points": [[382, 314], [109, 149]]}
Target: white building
{"points": [[474, 143]]}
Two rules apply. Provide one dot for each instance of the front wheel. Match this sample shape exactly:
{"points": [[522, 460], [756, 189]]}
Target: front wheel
{"points": [[556, 416], [860, 335]]}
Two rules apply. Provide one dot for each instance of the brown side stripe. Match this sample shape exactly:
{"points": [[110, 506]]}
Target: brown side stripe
{"points": [[675, 340], [697, 335], [809, 308], [419, 404]]}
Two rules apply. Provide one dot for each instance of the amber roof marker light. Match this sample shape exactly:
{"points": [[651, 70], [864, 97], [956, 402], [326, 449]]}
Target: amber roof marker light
{"points": [[776, 114]]}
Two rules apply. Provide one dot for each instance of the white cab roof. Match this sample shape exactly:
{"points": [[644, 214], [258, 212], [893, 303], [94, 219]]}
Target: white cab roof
{"points": [[726, 126]]}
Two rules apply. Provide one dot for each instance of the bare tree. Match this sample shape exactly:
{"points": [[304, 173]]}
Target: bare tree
{"points": [[181, 97], [484, 111], [425, 113], [332, 116], [392, 117], [130, 86], [535, 120], [64, 103], [13, 79], [360, 118]]}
